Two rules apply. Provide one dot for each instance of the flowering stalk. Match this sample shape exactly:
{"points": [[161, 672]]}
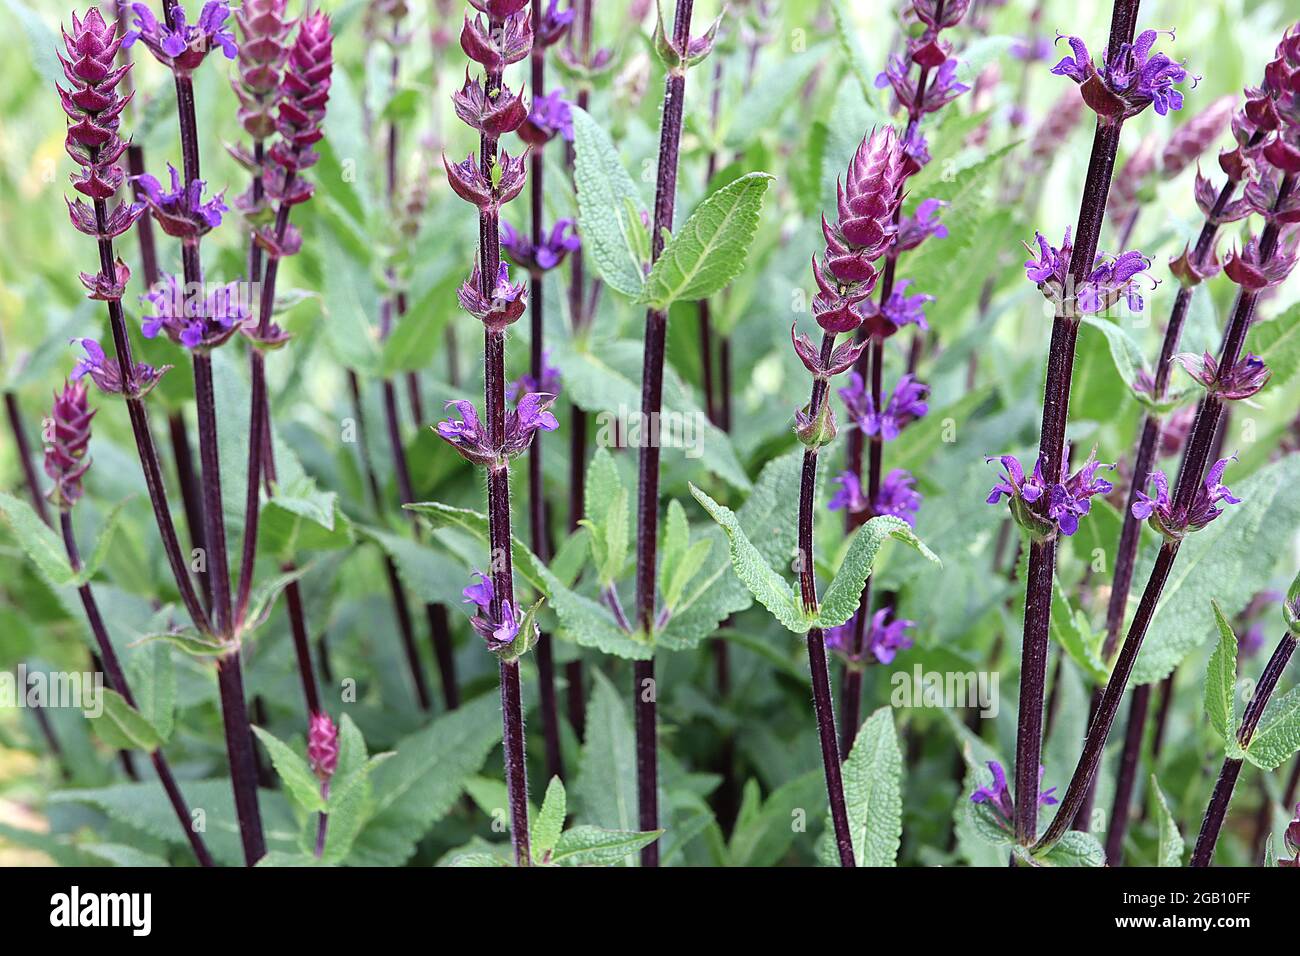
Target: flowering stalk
{"points": [[303, 91], [1271, 112], [652, 381], [495, 178], [1196, 263], [546, 118], [1130, 80], [933, 88], [201, 326], [66, 463]]}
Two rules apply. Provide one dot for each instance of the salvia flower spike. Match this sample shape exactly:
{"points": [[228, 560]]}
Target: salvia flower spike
{"points": [[323, 758], [885, 638], [265, 28], [67, 441]]}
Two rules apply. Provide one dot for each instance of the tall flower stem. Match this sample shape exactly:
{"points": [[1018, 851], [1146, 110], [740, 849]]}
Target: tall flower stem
{"points": [[1056, 401], [644, 691], [1217, 810], [24, 451], [117, 682], [1199, 446], [821, 682], [539, 535], [1126, 553], [498, 492]]}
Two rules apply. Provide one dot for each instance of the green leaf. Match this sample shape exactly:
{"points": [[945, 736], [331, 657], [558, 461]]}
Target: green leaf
{"points": [[851, 46], [683, 573], [35, 537], [1169, 844], [1228, 558], [1278, 736], [606, 193], [763, 836], [526, 564], [124, 727], [350, 801], [570, 556], [420, 783], [96, 559], [293, 771], [1221, 682], [710, 249], [42, 43], [549, 822], [153, 682], [605, 786], [593, 846], [769, 588], [1076, 849], [1277, 342], [1124, 351], [300, 517], [845, 590], [1072, 631], [428, 573], [189, 640], [873, 793], [403, 104]]}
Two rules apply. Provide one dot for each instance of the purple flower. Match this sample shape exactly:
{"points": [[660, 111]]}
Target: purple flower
{"points": [[941, 89], [106, 373], [998, 797], [898, 497], [504, 305], [1253, 271], [555, 23], [497, 630], [192, 320], [1069, 500], [557, 244], [181, 212], [883, 640], [1032, 49], [1128, 84], [849, 496], [468, 435], [842, 358], [921, 225], [490, 115], [495, 50], [322, 746], [901, 309], [905, 405], [1174, 521], [1015, 485], [1239, 381], [1109, 281], [866, 202], [183, 47], [549, 116], [549, 382], [837, 307], [530, 415]]}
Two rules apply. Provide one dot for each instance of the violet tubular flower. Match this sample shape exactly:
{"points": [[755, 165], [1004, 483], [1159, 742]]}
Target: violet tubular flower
{"points": [[1240, 381], [497, 308], [549, 117], [1106, 283], [998, 797], [1042, 508], [898, 496], [181, 210], [183, 46], [497, 628], [549, 382], [1129, 81], [906, 405], [192, 320], [558, 243], [106, 373], [885, 638], [1173, 521]]}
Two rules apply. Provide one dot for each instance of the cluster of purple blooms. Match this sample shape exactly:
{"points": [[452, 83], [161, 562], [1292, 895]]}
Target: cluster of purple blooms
{"points": [[897, 496], [1173, 520], [1128, 83], [1047, 508], [183, 46], [194, 320], [883, 641], [469, 436], [999, 799], [546, 255], [1109, 280]]}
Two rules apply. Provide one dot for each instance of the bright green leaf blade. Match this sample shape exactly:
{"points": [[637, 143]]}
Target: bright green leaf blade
{"points": [[1278, 736], [604, 191], [41, 544], [1169, 845], [122, 726], [769, 588], [593, 846], [1076, 849], [292, 769], [549, 822], [1221, 681], [710, 248], [873, 794], [845, 591]]}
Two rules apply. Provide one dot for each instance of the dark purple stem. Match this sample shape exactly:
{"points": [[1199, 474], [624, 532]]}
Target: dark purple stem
{"points": [[823, 708], [24, 451], [1137, 721], [1217, 810], [1056, 402]]}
